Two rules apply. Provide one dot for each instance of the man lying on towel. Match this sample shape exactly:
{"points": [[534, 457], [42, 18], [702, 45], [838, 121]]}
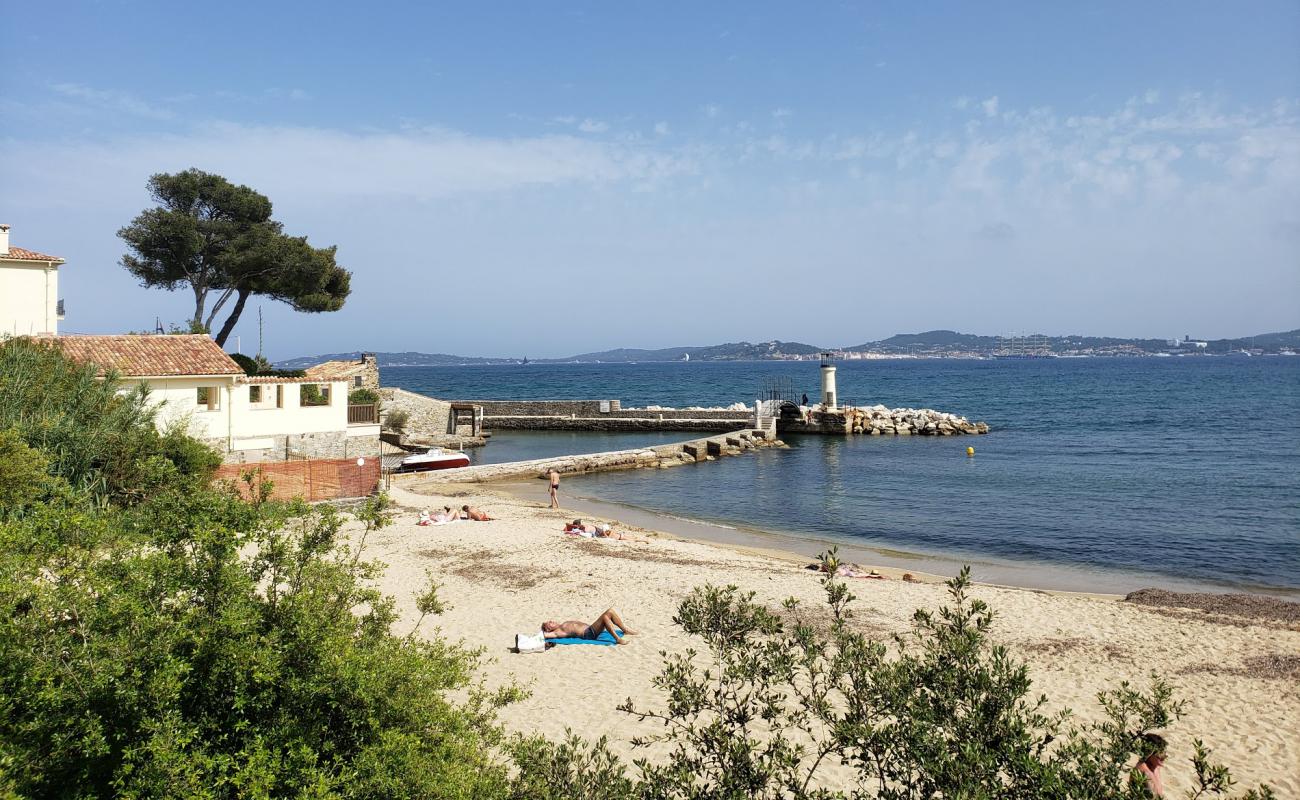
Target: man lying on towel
{"points": [[609, 621]]}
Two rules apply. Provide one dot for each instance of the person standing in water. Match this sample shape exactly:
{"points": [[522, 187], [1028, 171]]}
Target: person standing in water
{"points": [[555, 488]]}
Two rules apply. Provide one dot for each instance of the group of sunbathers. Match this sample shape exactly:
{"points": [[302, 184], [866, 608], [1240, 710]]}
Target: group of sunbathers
{"points": [[597, 531], [448, 515]]}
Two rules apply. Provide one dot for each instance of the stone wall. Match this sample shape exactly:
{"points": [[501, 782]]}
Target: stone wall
{"points": [[610, 423], [369, 372], [543, 408], [326, 445], [426, 417], [592, 409]]}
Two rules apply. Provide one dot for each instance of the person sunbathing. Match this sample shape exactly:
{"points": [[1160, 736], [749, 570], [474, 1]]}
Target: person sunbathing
{"points": [[475, 514], [608, 621], [851, 571], [445, 515], [598, 531]]}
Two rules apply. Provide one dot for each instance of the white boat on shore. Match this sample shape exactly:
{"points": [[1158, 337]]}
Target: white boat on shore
{"points": [[435, 458]]}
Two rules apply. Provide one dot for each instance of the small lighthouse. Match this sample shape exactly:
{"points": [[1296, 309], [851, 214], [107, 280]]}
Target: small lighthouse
{"points": [[828, 381]]}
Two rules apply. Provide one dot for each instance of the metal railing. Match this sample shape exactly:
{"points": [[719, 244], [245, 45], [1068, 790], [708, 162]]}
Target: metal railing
{"points": [[367, 414]]}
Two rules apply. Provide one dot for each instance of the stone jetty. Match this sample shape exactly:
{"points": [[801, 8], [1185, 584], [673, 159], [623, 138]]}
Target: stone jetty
{"points": [[659, 457], [436, 422], [878, 421]]}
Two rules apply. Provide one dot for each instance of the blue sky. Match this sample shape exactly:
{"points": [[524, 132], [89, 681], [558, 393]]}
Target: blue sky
{"points": [[543, 179]]}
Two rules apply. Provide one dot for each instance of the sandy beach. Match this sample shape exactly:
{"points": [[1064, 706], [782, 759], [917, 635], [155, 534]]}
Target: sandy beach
{"points": [[1237, 674]]}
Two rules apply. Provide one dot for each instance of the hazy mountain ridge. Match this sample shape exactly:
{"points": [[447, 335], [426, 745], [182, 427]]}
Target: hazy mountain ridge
{"points": [[937, 342]]}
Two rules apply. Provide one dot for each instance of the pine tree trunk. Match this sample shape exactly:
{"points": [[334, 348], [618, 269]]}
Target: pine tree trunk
{"points": [[229, 326]]}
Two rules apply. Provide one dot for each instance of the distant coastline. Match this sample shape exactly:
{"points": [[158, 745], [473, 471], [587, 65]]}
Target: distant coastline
{"points": [[930, 344]]}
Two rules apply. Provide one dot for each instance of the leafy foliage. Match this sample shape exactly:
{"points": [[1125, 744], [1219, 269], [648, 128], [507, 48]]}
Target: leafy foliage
{"points": [[778, 698], [396, 420], [176, 641], [363, 397], [214, 236], [96, 435]]}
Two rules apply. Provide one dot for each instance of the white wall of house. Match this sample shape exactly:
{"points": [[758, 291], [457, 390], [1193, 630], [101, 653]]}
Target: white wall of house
{"points": [[233, 415], [29, 298]]}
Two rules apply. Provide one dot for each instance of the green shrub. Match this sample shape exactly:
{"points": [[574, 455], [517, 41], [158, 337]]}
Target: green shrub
{"points": [[361, 397], [396, 420], [779, 696], [97, 434], [200, 646]]}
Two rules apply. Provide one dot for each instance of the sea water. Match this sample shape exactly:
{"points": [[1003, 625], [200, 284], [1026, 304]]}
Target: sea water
{"points": [[1182, 468]]}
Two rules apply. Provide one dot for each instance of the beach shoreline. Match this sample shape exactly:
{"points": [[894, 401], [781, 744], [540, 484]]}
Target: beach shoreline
{"points": [[504, 577], [803, 547]]}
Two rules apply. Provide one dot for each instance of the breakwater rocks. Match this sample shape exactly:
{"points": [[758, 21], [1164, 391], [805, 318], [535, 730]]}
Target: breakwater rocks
{"points": [[879, 421], [658, 457]]}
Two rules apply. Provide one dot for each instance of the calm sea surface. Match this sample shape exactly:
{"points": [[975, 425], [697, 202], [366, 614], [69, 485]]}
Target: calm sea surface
{"points": [[1187, 468]]}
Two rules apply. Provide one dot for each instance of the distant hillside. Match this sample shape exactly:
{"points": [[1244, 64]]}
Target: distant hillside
{"points": [[930, 340], [406, 359], [734, 351], [928, 343]]}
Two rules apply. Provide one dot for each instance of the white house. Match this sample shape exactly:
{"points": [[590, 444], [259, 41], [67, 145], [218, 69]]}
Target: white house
{"points": [[248, 418], [29, 290]]}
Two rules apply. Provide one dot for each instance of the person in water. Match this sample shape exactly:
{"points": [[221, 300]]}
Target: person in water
{"points": [[1153, 747], [608, 621], [475, 514]]}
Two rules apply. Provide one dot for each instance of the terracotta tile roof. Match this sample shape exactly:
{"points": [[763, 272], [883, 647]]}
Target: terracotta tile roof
{"points": [[335, 369], [22, 254], [151, 355]]}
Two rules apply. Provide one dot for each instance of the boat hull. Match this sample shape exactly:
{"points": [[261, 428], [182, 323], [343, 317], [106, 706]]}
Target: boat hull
{"points": [[429, 463]]}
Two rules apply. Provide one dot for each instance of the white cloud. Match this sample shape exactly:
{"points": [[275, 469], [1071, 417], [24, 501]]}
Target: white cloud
{"points": [[990, 106], [781, 113], [593, 126], [661, 129], [112, 101], [711, 110], [321, 163]]}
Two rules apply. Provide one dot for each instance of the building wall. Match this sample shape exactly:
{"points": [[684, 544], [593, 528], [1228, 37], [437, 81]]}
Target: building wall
{"points": [[29, 299], [265, 431]]}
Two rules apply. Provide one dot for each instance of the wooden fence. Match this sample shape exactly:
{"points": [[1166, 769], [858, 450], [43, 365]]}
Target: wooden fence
{"points": [[362, 414], [311, 479]]}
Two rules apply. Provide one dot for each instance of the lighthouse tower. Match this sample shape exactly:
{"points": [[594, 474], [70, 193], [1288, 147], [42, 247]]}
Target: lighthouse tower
{"points": [[828, 381]]}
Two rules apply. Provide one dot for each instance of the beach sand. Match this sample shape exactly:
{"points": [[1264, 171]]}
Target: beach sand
{"points": [[504, 577]]}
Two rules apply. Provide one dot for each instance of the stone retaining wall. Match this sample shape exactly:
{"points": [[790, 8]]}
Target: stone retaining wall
{"points": [[612, 424], [426, 417], [323, 445]]}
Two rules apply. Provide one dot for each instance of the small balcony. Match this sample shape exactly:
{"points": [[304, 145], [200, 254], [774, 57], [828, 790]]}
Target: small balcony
{"points": [[59, 310], [367, 414]]}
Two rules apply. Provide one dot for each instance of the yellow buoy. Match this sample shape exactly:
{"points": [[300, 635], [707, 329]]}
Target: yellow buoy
{"points": [[970, 451]]}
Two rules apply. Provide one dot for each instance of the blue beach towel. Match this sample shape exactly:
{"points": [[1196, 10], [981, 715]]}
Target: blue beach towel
{"points": [[604, 638]]}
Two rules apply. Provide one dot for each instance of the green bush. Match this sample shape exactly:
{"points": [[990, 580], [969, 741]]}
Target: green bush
{"points": [[200, 646], [778, 696], [163, 638], [97, 434], [361, 397], [396, 420]]}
